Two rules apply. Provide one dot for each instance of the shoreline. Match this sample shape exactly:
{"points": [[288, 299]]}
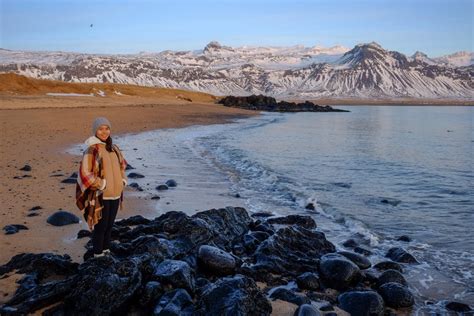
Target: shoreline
{"points": [[45, 134], [387, 102]]}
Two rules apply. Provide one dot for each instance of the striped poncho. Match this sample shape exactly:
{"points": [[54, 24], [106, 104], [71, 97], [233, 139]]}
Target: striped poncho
{"points": [[89, 199]]}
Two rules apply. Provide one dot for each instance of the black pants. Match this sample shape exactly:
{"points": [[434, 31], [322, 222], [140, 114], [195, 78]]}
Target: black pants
{"points": [[103, 229]]}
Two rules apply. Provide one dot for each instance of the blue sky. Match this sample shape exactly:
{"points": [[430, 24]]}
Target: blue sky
{"points": [[435, 27]]}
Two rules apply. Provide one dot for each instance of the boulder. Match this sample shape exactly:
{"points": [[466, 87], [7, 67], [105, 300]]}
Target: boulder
{"points": [[42, 264], [37, 296], [215, 261], [338, 272], [253, 239], [388, 265], [171, 183], [350, 243], [14, 228], [307, 310], [176, 273], [361, 303], [175, 303], [237, 295], [361, 261], [400, 255], [396, 295], [391, 276], [289, 296], [62, 218], [404, 238], [83, 233], [136, 186], [104, 286], [308, 281], [458, 307], [26, 168], [292, 249], [135, 175], [362, 250]]}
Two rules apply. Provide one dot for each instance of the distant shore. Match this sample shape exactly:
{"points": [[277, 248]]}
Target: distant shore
{"points": [[391, 102]]}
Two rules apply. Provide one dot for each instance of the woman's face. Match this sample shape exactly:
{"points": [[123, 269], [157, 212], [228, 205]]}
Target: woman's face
{"points": [[103, 132]]}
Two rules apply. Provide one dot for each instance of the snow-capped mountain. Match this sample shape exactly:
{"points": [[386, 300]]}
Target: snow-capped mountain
{"points": [[365, 71], [458, 59]]}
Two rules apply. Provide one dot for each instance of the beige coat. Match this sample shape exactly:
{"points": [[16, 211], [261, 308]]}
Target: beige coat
{"points": [[114, 176]]}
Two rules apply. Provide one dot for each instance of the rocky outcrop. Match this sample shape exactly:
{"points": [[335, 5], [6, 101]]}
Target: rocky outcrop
{"points": [[208, 264], [269, 104]]}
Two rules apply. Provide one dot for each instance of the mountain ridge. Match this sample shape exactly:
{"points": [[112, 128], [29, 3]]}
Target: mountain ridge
{"points": [[365, 71]]}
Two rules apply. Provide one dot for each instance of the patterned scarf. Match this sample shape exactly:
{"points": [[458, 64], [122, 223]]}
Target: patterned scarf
{"points": [[89, 200]]}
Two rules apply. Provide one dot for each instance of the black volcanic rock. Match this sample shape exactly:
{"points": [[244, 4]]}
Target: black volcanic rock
{"points": [[361, 303], [307, 310], [391, 276], [176, 302], [42, 264], [238, 295], [174, 265], [26, 168], [135, 175], [396, 295], [177, 273], [301, 220], [338, 272], [62, 218], [162, 187], [400, 255], [293, 248], [83, 233], [171, 183], [150, 293], [216, 261], [388, 265], [308, 281], [361, 261], [264, 103], [104, 285], [13, 228], [289, 296], [458, 307]]}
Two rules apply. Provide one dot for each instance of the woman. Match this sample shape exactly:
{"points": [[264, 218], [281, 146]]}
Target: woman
{"points": [[100, 183]]}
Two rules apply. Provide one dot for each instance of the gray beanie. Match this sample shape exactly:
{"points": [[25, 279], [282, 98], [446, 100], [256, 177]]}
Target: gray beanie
{"points": [[98, 122]]}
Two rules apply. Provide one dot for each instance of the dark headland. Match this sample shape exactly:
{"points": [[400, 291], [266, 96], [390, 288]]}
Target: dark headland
{"points": [[269, 104]]}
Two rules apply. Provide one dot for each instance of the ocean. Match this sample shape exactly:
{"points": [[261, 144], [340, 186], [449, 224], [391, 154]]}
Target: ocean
{"points": [[374, 174]]}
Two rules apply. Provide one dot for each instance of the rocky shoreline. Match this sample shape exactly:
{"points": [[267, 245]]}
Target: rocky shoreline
{"points": [[215, 262], [269, 104]]}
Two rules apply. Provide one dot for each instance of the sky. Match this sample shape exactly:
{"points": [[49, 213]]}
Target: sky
{"points": [[435, 27]]}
